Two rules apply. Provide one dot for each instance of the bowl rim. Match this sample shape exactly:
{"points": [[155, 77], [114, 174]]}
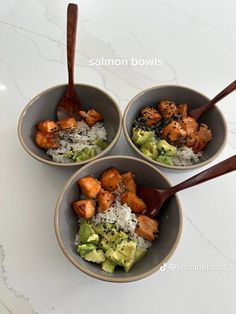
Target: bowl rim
{"points": [[54, 163], [203, 163], [91, 273]]}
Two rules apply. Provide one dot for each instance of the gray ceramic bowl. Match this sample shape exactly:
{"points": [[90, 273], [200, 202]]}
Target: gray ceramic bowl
{"points": [[213, 118], [170, 220], [43, 107]]}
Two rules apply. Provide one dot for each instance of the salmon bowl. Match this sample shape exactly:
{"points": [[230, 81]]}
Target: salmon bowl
{"points": [[159, 128], [69, 143], [90, 203]]}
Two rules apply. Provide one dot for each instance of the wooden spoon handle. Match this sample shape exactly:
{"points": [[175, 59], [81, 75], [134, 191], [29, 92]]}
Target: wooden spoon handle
{"points": [[217, 170], [199, 111], [72, 15]]}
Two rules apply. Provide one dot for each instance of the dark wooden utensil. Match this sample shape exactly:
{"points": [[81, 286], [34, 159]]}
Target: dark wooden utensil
{"points": [[154, 198], [197, 113], [69, 105]]}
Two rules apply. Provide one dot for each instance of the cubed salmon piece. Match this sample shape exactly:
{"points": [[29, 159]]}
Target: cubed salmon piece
{"points": [[182, 110], [84, 208], [91, 117], [46, 140], [105, 200], [147, 227], [133, 201], [89, 186], [111, 179], [128, 181], [199, 139], [151, 115], [189, 124], [173, 132], [67, 123], [47, 126], [167, 108]]}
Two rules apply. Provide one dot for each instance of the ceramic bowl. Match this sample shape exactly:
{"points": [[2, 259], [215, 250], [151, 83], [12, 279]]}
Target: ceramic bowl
{"points": [[170, 219], [179, 94], [43, 107]]}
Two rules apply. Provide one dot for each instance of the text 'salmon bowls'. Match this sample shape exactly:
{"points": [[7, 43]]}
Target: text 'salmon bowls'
{"points": [[179, 94], [43, 107], [66, 222]]}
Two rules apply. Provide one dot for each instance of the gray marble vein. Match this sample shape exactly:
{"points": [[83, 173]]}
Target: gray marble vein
{"points": [[209, 242], [12, 297], [5, 307], [14, 78], [197, 20]]}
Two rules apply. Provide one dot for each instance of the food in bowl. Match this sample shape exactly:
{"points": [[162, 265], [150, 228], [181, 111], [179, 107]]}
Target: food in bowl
{"points": [[167, 134], [69, 140], [113, 228]]}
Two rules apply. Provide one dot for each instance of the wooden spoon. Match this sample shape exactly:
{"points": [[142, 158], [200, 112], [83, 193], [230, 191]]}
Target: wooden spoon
{"points": [[154, 198], [197, 113], [69, 105]]}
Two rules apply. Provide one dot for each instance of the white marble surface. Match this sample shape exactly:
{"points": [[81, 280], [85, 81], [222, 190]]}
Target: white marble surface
{"points": [[197, 42]]}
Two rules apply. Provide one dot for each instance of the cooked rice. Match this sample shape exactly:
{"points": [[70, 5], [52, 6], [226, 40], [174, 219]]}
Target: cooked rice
{"points": [[77, 139], [186, 157], [122, 217]]}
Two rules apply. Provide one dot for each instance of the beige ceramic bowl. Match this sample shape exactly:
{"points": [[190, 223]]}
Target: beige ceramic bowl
{"points": [[170, 219], [43, 106], [213, 118]]}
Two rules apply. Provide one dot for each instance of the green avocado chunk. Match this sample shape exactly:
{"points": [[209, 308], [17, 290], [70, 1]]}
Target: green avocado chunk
{"points": [[128, 265], [128, 248], [103, 227], [165, 148], [164, 159], [95, 256], [139, 253], [109, 232], [105, 245], [123, 254], [85, 249], [115, 256], [112, 238], [69, 154], [101, 143], [150, 150], [87, 234], [85, 154], [140, 136], [108, 266]]}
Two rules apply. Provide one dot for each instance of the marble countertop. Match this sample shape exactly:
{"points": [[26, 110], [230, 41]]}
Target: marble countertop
{"points": [[196, 42]]}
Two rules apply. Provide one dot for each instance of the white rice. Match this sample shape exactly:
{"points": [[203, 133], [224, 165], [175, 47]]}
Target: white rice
{"points": [[186, 157], [77, 139], [122, 217]]}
